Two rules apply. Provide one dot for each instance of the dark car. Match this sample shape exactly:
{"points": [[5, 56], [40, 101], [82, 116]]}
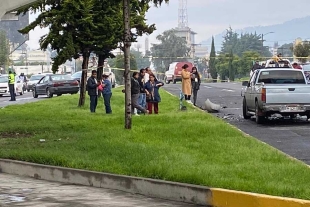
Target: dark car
{"points": [[55, 84]]}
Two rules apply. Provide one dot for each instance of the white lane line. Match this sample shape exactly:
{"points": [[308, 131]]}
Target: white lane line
{"points": [[207, 87], [228, 90]]}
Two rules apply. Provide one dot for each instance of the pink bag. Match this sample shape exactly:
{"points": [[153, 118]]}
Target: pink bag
{"points": [[100, 88]]}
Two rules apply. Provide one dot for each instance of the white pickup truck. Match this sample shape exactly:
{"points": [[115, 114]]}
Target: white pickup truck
{"points": [[283, 91]]}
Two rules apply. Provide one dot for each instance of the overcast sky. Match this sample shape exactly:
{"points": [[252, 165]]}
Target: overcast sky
{"points": [[210, 17]]}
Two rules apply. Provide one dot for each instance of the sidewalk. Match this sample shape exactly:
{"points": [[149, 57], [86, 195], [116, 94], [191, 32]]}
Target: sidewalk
{"points": [[20, 191]]}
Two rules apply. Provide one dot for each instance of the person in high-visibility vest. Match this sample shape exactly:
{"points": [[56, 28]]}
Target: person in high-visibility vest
{"points": [[12, 86]]}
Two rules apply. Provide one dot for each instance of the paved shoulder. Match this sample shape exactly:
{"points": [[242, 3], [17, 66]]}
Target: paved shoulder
{"points": [[20, 191]]}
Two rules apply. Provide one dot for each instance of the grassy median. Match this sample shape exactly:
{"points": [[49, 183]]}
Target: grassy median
{"points": [[189, 147]]}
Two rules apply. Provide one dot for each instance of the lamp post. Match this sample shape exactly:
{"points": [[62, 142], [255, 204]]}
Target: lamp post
{"points": [[263, 40], [24, 51]]}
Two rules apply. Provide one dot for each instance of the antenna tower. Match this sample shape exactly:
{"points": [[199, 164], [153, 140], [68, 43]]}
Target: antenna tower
{"points": [[183, 18]]}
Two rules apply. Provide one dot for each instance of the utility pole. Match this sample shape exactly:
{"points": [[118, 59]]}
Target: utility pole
{"points": [[127, 44]]}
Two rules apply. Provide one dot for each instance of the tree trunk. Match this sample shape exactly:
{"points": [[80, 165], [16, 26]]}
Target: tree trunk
{"points": [[100, 69], [127, 44], [84, 78]]}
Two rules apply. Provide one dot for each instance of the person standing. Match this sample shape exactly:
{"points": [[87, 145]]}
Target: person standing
{"points": [[12, 86], [147, 74], [107, 93], [195, 84], [186, 83], [142, 95], [92, 88], [135, 91], [152, 91]]}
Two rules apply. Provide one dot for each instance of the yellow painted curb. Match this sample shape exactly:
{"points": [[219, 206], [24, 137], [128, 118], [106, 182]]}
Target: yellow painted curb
{"points": [[230, 198]]}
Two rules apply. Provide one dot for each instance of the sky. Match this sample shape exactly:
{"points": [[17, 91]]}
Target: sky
{"points": [[211, 17]]}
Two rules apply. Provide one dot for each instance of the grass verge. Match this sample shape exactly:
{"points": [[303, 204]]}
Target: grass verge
{"points": [[189, 147]]}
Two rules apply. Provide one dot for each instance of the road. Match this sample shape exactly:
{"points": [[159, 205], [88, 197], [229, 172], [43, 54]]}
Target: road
{"points": [[290, 136], [20, 191], [26, 98]]}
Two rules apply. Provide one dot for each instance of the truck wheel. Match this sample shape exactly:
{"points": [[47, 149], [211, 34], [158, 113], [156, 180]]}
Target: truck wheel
{"points": [[174, 80], [166, 80], [259, 119], [246, 115]]}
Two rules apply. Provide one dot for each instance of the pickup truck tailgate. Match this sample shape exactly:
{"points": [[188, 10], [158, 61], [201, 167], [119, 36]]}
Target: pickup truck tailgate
{"points": [[288, 94]]}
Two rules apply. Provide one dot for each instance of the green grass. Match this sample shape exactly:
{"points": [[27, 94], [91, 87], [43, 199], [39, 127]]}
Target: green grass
{"points": [[189, 147]]}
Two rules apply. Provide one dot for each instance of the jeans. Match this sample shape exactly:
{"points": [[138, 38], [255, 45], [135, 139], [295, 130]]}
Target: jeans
{"points": [[142, 100], [135, 103], [12, 92], [93, 103], [195, 96], [107, 102]]}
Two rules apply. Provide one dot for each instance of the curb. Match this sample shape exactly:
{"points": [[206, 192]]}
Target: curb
{"points": [[148, 187], [193, 194]]}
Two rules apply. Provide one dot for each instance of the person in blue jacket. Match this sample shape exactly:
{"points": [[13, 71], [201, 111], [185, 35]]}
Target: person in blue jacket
{"points": [[152, 94]]}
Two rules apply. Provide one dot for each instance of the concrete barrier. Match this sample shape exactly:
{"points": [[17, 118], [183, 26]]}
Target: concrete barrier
{"points": [[148, 187]]}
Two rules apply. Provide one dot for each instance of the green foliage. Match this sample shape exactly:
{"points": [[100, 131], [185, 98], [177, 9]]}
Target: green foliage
{"points": [[4, 49], [78, 26], [237, 55], [118, 64], [302, 51], [141, 60], [246, 42], [286, 50], [212, 61], [170, 49]]}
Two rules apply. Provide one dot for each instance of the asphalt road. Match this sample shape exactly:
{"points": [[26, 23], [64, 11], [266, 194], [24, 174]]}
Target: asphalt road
{"points": [[290, 136], [26, 98]]}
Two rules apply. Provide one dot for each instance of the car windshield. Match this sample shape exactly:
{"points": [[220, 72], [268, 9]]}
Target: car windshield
{"points": [[4, 79], [36, 77], [61, 77], [281, 77], [77, 75]]}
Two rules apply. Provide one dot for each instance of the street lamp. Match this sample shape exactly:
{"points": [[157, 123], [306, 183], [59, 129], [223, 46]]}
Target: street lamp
{"points": [[263, 40], [24, 51]]}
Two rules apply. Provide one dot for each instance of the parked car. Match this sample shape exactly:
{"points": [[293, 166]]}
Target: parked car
{"points": [[4, 86], [271, 91], [33, 80], [77, 76], [55, 84], [173, 74]]}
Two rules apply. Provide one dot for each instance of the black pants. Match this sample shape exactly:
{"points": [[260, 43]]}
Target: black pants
{"points": [[93, 103], [187, 97], [107, 102], [12, 92], [195, 96]]}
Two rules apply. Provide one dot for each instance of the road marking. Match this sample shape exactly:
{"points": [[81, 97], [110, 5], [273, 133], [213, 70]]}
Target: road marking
{"points": [[228, 90], [207, 87]]}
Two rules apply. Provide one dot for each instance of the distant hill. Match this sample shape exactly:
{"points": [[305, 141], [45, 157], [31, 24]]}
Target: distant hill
{"points": [[283, 33]]}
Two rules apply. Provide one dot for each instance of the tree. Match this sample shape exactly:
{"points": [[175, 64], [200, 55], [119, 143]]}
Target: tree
{"points": [[170, 49], [212, 61], [302, 51], [4, 49], [141, 60], [286, 50], [117, 64]]}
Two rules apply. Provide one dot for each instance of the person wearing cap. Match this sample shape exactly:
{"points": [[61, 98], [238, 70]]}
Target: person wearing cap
{"points": [[107, 93], [186, 83]]}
